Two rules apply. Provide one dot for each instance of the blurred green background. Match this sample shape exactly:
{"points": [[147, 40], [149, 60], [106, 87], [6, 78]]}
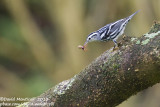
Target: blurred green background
{"points": [[39, 39]]}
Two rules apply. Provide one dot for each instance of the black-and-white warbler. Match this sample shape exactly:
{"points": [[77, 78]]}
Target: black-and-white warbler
{"points": [[109, 32]]}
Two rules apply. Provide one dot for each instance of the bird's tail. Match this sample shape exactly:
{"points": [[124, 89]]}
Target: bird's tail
{"points": [[127, 19], [130, 17]]}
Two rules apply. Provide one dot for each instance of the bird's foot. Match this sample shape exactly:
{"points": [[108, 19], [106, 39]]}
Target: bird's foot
{"points": [[115, 48], [124, 36]]}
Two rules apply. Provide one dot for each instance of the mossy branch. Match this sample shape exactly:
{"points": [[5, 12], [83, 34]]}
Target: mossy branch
{"points": [[113, 77]]}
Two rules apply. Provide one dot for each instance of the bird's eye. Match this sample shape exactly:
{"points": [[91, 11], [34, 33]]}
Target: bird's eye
{"points": [[89, 38]]}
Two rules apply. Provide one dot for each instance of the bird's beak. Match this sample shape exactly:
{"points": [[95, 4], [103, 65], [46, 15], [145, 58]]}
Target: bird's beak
{"points": [[85, 44]]}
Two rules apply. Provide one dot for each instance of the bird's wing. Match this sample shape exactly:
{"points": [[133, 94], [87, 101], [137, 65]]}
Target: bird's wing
{"points": [[109, 29]]}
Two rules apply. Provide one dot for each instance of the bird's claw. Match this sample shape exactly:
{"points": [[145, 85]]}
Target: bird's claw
{"points": [[115, 48]]}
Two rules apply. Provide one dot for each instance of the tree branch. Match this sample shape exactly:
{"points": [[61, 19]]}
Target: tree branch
{"points": [[113, 77]]}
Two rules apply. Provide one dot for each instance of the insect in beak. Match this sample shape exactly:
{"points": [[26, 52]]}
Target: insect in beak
{"points": [[83, 47]]}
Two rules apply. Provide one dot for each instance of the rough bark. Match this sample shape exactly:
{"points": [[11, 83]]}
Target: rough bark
{"points": [[112, 77]]}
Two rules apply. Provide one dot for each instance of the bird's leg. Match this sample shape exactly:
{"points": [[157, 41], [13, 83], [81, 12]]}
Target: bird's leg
{"points": [[115, 46], [115, 42]]}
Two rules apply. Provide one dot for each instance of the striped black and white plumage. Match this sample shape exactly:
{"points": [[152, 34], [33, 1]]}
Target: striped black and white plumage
{"points": [[110, 32]]}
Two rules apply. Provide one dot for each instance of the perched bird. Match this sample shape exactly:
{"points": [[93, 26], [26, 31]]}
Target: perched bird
{"points": [[109, 32]]}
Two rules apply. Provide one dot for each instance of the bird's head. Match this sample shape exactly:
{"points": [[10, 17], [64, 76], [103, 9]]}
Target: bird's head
{"points": [[94, 36]]}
